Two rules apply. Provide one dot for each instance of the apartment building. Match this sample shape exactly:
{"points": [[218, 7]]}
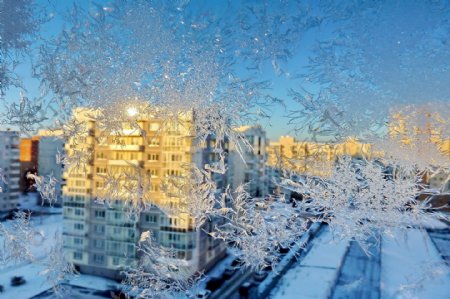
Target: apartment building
{"points": [[29, 148], [309, 158], [302, 157], [142, 155], [51, 144], [421, 125], [249, 166], [9, 171]]}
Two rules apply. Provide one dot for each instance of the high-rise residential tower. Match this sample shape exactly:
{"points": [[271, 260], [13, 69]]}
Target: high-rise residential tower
{"points": [[51, 144], [29, 148], [139, 156], [249, 165], [9, 170]]}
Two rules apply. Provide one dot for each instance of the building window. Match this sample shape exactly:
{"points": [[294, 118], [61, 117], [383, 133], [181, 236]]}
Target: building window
{"points": [[154, 142], [100, 229], [153, 157], [175, 158], [78, 226], [99, 214], [77, 256], [98, 258], [173, 221], [79, 212], [151, 218], [117, 215], [173, 172], [181, 254], [116, 261], [78, 241], [152, 172], [114, 246], [153, 127], [98, 244]]}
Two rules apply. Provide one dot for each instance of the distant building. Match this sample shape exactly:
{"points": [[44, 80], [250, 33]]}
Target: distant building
{"points": [[100, 239], [250, 168], [29, 148], [312, 158], [51, 144], [439, 181], [421, 124], [309, 158], [9, 170], [445, 147]]}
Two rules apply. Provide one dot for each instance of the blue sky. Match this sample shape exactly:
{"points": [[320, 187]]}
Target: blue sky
{"points": [[280, 84], [396, 36]]}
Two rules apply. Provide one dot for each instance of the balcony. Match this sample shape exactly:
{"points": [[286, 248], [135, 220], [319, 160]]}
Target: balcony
{"points": [[122, 239], [127, 132], [15, 164], [127, 147], [125, 162]]}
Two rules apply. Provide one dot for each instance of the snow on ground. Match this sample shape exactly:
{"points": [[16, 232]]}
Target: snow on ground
{"points": [[49, 225], [411, 266], [93, 282], [35, 283], [315, 275], [29, 202]]}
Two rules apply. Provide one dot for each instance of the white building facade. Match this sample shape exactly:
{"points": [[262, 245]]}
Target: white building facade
{"points": [[9, 170], [249, 166], [48, 166]]}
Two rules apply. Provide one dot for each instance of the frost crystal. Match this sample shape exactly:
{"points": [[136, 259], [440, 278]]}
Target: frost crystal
{"points": [[18, 237], [159, 273], [46, 186], [219, 62], [362, 199], [57, 268]]}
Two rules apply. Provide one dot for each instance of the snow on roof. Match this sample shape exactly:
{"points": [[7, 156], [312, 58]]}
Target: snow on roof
{"points": [[412, 266], [316, 274]]}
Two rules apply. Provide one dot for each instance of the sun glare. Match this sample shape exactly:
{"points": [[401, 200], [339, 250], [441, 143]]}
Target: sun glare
{"points": [[132, 111]]}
